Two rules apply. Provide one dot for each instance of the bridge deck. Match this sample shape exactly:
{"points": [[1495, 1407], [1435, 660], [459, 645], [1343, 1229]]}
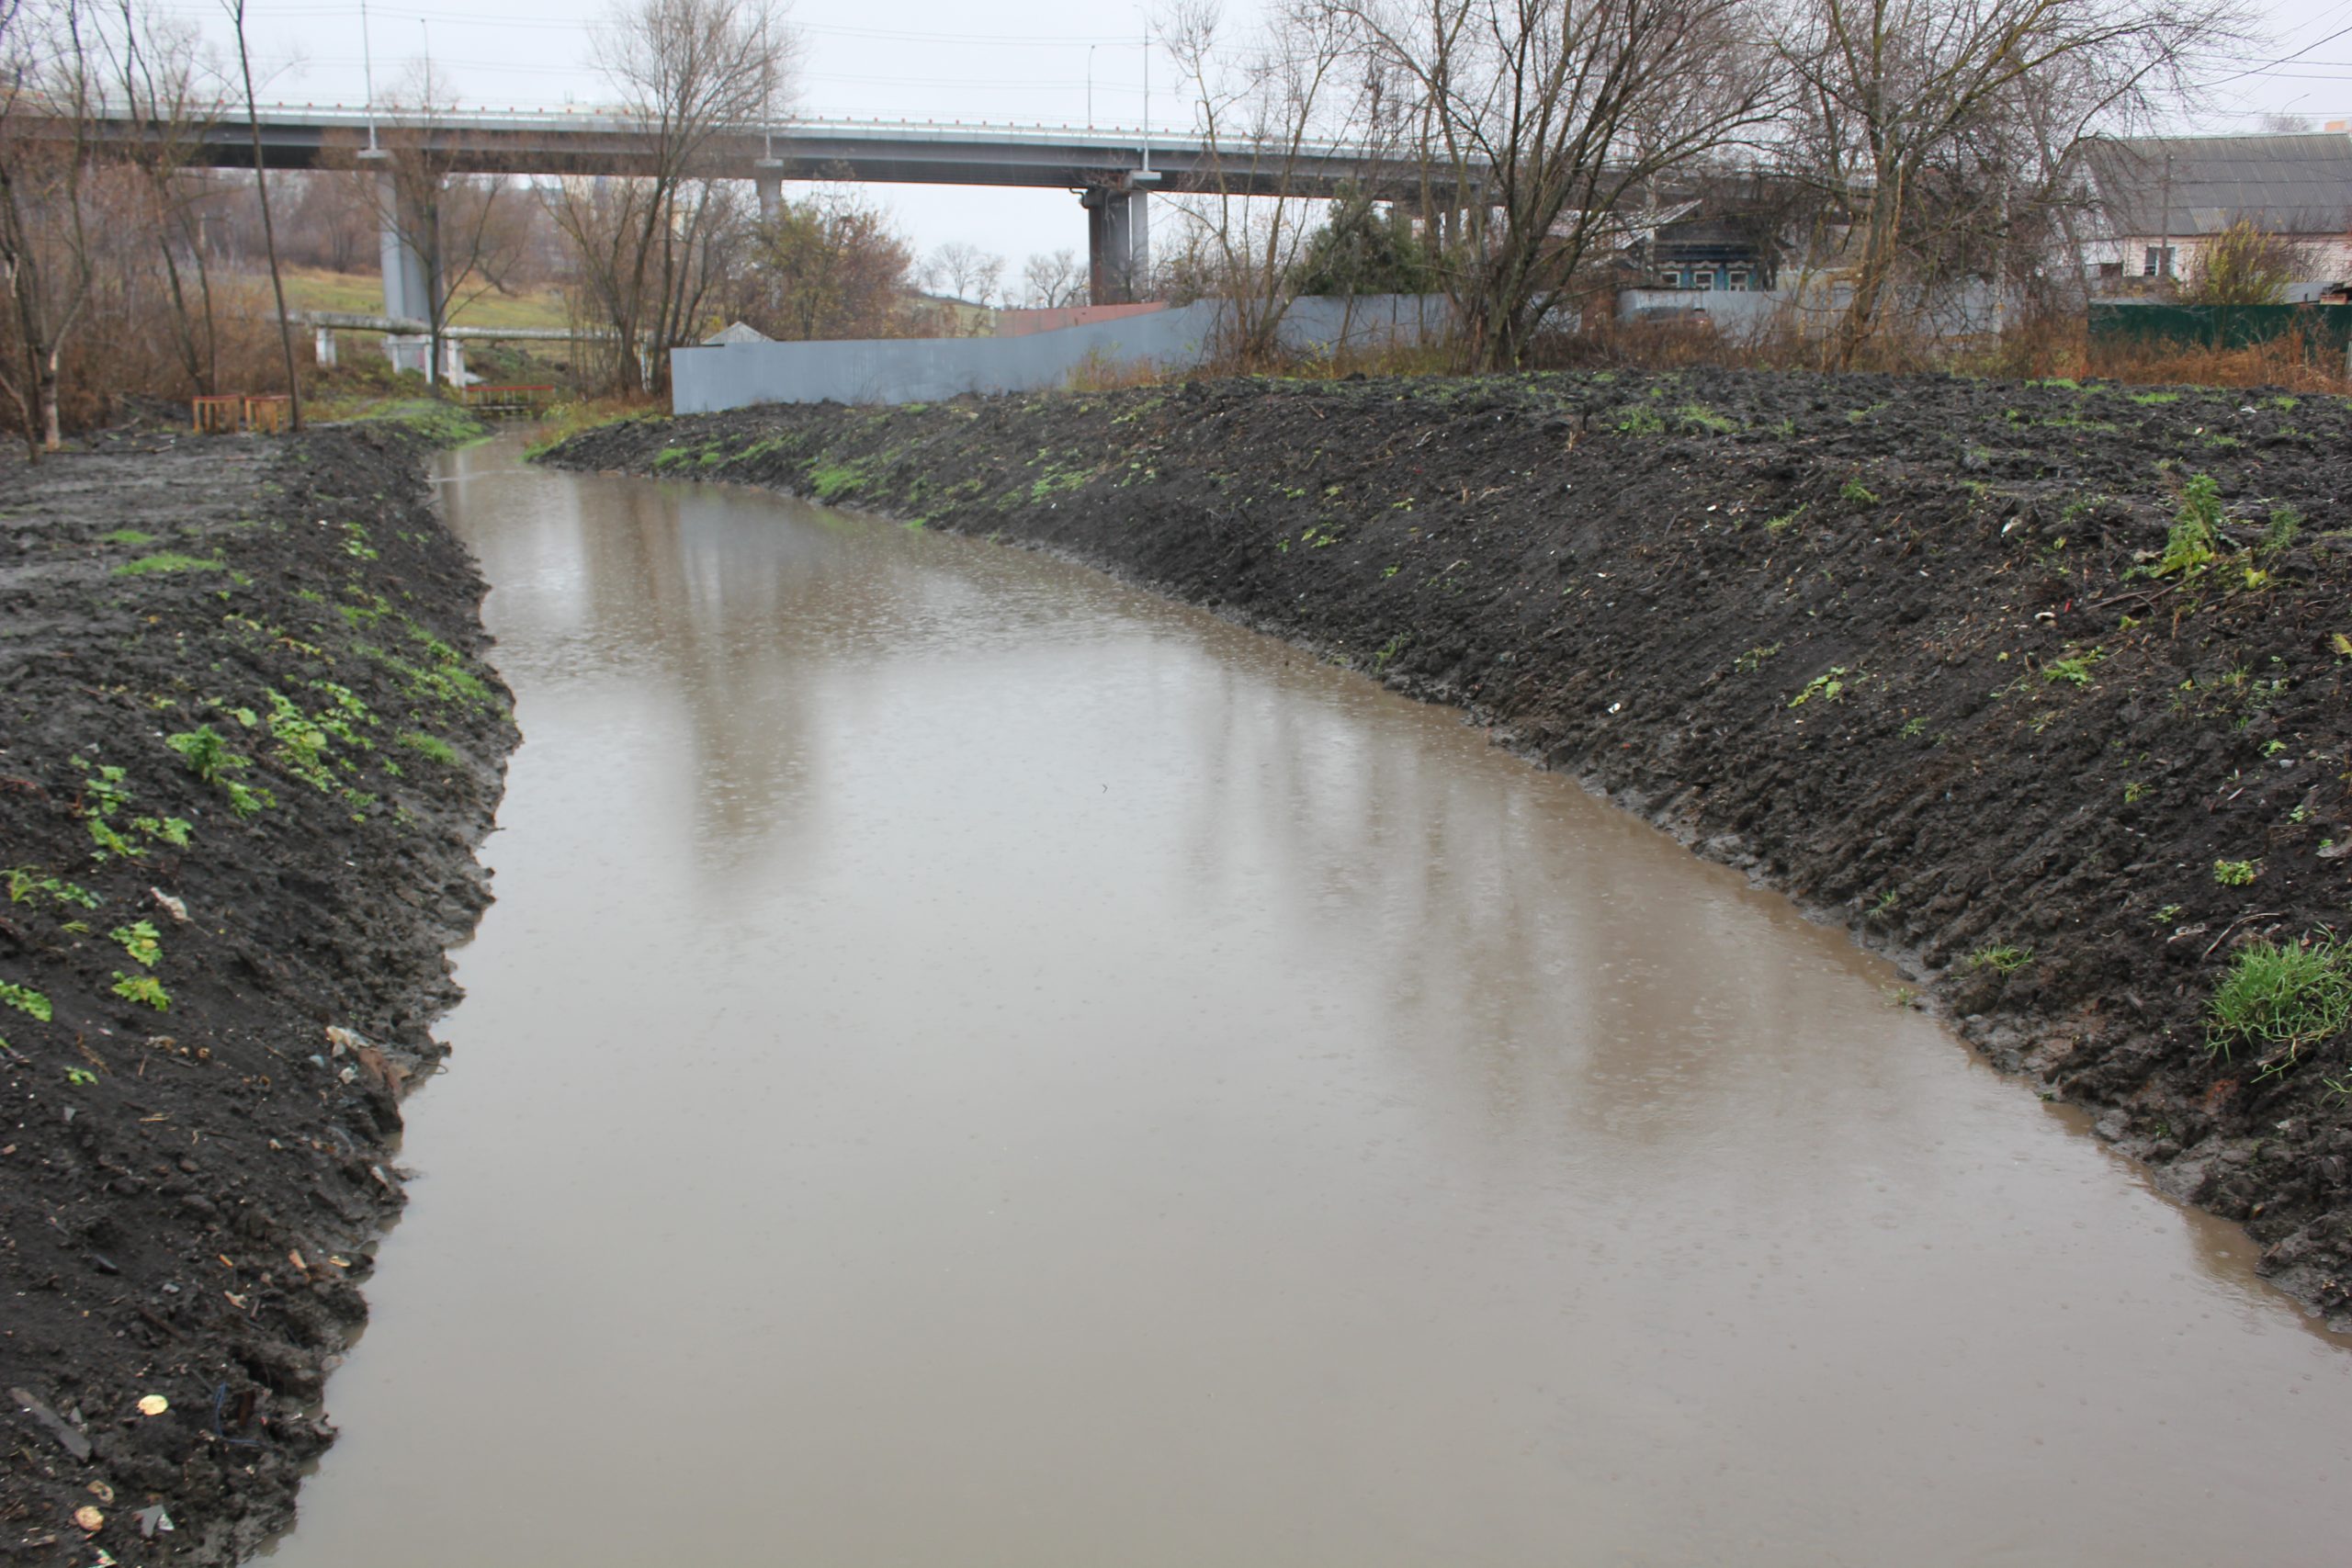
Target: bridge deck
{"points": [[906, 152]]}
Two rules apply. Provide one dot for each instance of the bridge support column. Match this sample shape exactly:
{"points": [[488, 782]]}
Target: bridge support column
{"points": [[768, 177], [408, 285], [407, 291], [1118, 245]]}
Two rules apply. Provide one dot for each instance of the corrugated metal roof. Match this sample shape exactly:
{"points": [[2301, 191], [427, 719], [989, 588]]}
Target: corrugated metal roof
{"points": [[2299, 184], [734, 332]]}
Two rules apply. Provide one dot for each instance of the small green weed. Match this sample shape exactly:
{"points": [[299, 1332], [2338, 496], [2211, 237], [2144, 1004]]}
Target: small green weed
{"points": [[2074, 669], [127, 536], [25, 883], [207, 754], [24, 999], [2236, 873], [1748, 663], [2004, 959], [103, 793], [1829, 687], [173, 830], [141, 941], [144, 990], [1855, 493], [303, 745], [2196, 535]]}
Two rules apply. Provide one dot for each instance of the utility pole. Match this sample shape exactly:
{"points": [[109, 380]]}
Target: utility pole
{"points": [[2164, 246], [368, 64]]}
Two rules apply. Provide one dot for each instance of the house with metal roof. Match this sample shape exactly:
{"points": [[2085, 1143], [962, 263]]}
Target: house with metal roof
{"points": [[2160, 199]]}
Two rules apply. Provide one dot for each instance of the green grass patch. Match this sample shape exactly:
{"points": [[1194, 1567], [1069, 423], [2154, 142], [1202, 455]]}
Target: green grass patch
{"points": [[2279, 997], [165, 562], [444, 424], [431, 746], [826, 480]]}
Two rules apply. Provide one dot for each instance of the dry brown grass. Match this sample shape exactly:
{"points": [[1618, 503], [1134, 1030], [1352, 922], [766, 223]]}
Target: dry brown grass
{"points": [[1097, 373], [2285, 362]]}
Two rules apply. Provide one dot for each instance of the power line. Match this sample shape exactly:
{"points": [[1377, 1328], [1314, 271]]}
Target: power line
{"points": [[2269, 66]]}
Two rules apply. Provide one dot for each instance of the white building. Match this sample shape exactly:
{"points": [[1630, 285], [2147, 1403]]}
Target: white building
{"points": [[2160, 199]]}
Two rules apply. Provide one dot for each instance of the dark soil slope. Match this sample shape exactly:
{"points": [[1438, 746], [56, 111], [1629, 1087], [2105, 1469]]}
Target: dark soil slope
{"points": [[246, 747], [1895, 646]]}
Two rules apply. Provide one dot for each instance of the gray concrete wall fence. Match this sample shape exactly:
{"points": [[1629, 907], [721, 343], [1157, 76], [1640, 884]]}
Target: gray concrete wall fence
{"points": [[1810, 310], [907, 370]]}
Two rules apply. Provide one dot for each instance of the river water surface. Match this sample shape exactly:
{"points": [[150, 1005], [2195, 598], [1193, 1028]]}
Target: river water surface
{"points": [[971, 1064]]}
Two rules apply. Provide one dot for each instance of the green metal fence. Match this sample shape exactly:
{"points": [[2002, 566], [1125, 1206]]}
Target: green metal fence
{"points": [[2326, 330]]}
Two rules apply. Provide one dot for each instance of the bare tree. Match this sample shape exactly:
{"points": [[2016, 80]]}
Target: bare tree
{"points": [[1259, 111], [1052, 282], [964, 273], [236, 13], [1927, 122], [334, 221], [45, 104], [689, 74], [155, 64], [1543, 121]]}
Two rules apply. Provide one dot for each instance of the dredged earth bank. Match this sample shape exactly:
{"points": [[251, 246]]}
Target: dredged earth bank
{"points": [[247, 746], [1912, 651]]}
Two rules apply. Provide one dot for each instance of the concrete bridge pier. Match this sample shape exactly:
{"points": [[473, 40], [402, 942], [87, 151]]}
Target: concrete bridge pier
{"points": [[408, 292], [767, 176], [1118, 244]]}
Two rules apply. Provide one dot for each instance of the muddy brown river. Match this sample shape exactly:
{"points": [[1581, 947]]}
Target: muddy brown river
{"points": [[974, 1064]]}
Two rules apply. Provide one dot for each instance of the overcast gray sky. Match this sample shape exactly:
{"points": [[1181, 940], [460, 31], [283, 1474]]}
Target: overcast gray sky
{"points": [[1030, 62]]}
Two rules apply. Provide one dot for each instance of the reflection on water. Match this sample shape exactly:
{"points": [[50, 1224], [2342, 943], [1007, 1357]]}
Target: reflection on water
{"points": [[974, 1064]]}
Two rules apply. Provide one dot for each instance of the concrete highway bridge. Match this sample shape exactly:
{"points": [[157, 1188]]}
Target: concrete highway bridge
{"points": [[1112, 173]]}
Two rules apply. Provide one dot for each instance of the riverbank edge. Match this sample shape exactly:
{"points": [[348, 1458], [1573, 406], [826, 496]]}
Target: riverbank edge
{"points": [[1909, 752], [238, 948]]}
